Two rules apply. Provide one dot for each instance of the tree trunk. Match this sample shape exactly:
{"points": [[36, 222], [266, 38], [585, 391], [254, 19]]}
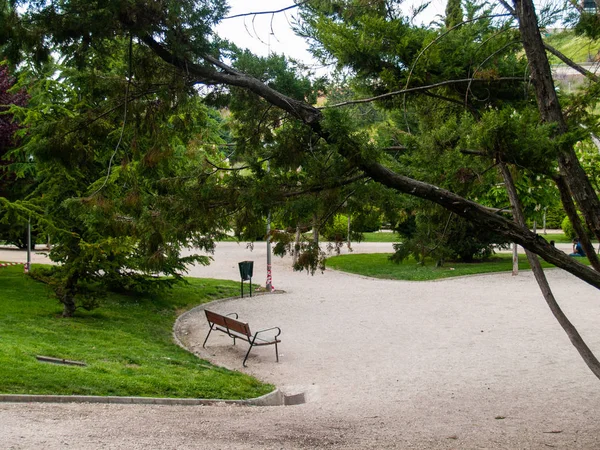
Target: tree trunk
{"points": [[348, 237], [550, 111], [296, 246], [569, 207], [544, 219], [67, 296], [576, 339]]}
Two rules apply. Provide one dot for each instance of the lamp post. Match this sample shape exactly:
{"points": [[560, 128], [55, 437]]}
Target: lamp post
{"points": [[269, 285], [28, 265]]}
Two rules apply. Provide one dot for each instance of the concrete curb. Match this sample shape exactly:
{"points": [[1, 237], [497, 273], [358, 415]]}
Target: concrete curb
{"points": [[274, 398]]}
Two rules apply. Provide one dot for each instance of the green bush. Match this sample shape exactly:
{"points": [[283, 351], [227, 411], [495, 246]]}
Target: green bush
{"points": [[567, 228], [430, 236], [554, 217], [336, 230]]}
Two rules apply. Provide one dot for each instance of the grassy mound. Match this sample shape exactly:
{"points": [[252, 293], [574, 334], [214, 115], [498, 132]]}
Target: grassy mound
{"points": [[126, 343]]}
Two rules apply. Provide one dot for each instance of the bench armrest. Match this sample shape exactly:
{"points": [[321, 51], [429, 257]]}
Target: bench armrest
{"points": [[232, 314], [268, 329]]}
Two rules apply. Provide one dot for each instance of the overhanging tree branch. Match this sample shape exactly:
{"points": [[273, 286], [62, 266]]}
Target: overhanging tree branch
{"points": [[452, 202], [209, 76]]}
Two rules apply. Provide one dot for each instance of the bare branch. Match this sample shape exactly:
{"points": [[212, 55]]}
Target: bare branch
{"points": [[480, 215], [260, 13], [221, 65], [538, 272], [421, 88]]}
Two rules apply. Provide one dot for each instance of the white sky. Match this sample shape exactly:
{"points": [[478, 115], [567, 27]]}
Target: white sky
{"points": [[255, 34]]}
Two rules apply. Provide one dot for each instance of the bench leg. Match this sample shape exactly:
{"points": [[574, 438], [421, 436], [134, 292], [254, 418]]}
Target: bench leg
{"points": [[247, 354], [209, 331], [276, 352]]}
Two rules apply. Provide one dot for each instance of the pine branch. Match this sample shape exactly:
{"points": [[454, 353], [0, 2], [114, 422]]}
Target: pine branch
{"points": [[325, 187]]}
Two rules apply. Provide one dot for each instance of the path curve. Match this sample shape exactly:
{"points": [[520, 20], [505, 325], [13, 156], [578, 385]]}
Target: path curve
{"points": [[465, 363]]}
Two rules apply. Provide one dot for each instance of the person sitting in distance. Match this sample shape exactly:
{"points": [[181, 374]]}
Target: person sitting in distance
{"points": [[577, 248]]}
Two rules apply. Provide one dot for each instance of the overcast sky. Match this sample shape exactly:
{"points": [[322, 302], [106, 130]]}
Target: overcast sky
{"points": [[254, 32]]}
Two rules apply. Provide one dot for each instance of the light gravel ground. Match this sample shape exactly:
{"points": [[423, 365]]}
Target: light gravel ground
{"points": [[465, 363]]}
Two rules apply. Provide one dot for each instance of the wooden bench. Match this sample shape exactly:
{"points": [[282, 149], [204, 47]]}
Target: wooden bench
{"points": [[235, 329]]}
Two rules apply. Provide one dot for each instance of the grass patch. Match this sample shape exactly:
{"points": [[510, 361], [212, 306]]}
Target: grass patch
{"points": [[559, 238], [578, 48], [126, 344], [377, 265], [379, 236]]}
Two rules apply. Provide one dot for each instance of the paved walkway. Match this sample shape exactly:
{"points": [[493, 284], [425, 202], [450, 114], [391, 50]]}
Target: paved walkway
{"points": [[474, 362]]}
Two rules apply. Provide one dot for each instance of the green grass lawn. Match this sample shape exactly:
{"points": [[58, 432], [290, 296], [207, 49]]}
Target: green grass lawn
{"points": [[378, 265], [559, 238], [379, 236], [126, 343]]}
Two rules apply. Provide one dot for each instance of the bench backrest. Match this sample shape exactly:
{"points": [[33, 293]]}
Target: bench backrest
{"points": [[228, 322]]}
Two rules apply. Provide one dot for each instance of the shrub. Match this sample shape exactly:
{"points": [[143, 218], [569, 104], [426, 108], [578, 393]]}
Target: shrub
{"points": [[337, 230], [567, 228], [554, 217]]}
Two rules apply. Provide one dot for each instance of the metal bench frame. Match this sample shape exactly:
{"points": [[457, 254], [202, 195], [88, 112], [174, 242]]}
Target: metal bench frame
{"points": [[235, 329]]}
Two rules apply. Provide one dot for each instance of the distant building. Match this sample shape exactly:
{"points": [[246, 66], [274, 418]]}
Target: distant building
{"points": [[589, 5]]}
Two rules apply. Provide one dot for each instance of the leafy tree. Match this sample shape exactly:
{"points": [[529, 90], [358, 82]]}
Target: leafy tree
{"points": [[125, 186]]}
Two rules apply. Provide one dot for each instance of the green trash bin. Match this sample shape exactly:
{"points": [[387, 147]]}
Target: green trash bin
{"points": [[246, 270]]}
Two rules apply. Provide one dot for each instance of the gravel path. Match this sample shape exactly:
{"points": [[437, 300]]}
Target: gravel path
{"points": [[464, 363]]}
